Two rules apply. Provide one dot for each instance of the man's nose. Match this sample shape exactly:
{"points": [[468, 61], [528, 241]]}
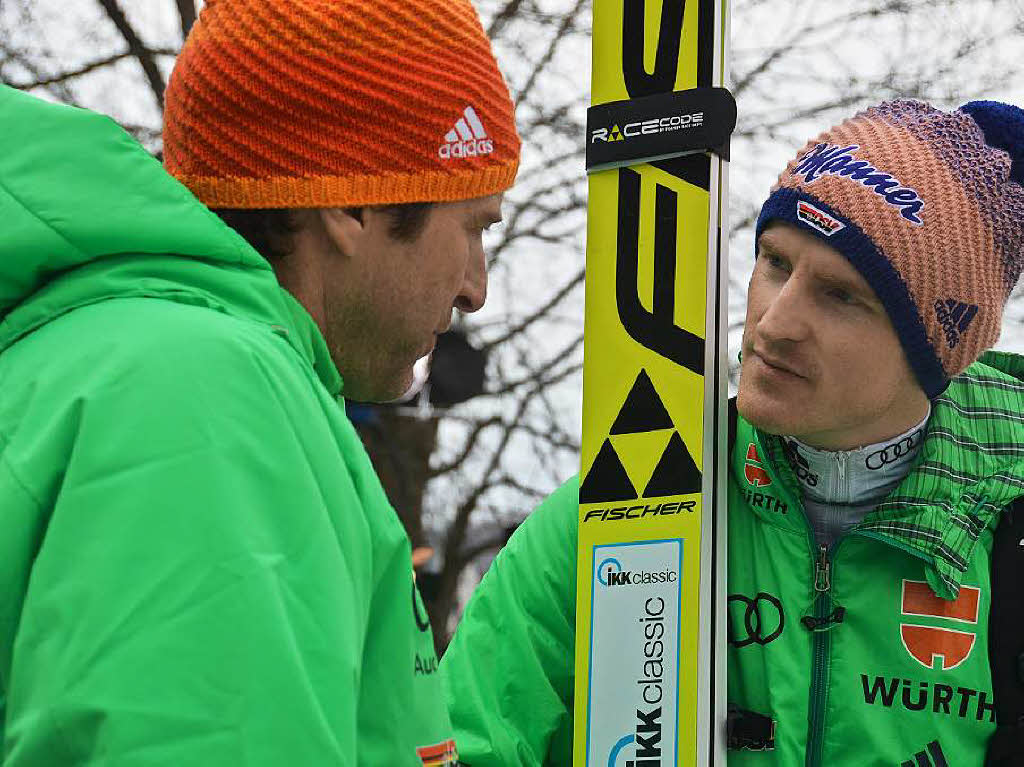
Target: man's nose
{"points": [[788, 314], [473, 294]]}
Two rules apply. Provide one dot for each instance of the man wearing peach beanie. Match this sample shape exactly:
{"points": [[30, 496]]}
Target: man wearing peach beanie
{"points": [[876, 468]]}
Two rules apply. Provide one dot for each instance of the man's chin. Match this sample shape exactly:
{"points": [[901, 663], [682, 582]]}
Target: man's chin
{"points": [[798, 419], [381, 390], [765, 412], [409, 388]]}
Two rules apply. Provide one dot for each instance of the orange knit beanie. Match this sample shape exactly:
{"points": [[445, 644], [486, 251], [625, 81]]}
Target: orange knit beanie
{"points": [[334, 103]]}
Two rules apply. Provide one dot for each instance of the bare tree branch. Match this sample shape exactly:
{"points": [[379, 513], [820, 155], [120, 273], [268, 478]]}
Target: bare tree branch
{"points": [[472, 552], [137, 49], [503, 17], [187, 15], [85, 69], [456, 536], [534, 374], [540, 312], [556, 39], [467, 447], [58, 89]]}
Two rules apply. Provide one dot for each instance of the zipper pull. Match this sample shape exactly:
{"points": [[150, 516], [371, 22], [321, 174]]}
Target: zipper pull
{"points": [[822, 574], [842, 492]]}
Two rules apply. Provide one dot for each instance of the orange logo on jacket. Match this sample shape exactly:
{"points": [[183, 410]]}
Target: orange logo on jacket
{"points": [[927, 644], [442, 754], [752, 469]]}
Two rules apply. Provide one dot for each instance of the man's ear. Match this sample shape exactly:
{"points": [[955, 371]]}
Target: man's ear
{"points": [[345, 227]]}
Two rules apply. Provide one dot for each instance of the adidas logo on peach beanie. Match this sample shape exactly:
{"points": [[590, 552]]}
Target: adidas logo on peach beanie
{"points": [[334, 103], [929, 207]]}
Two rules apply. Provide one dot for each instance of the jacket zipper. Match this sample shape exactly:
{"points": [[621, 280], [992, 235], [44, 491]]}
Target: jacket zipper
{"points": [[822, 641], [842, 492], [821, 644]]}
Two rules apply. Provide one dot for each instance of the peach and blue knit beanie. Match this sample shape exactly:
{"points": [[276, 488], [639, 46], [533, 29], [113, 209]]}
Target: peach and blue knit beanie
{"points": [[929, 207]]}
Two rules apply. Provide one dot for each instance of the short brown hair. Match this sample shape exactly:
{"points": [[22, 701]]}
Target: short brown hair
{"points": [[269, 230]]}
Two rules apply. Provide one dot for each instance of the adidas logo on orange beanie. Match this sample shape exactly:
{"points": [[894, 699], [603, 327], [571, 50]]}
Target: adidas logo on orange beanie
{"points": [[929, 207], [334, 103]]}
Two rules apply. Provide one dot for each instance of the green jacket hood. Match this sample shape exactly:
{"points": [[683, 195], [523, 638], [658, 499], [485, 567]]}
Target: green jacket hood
{"points": [[90, 215]]}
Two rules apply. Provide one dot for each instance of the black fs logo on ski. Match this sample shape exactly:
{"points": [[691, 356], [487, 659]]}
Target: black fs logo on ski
{"points": [[656, 328], [467, 139], [642, 417]]}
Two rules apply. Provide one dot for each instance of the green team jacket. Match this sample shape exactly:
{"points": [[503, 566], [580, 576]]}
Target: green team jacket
{"points": [[198, 565], [902, 679]]}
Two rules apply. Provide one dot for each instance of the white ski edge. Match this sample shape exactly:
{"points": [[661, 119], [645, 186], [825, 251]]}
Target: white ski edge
{"points": [[711, 728]]}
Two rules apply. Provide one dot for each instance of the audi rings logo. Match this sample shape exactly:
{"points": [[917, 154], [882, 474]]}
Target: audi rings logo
{"points": [[892, 452], [763, 619]]}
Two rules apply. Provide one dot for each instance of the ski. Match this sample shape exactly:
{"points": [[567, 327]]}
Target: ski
{"points": [[650, 618]]}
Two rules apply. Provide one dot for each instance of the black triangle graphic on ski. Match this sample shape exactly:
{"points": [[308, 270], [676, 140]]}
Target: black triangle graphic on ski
{"points": [[607, 479], [676, 473], [643, 410]]}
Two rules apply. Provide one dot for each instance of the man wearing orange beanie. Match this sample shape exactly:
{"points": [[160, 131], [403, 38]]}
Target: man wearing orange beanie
{"points": [[199, 564], [372, 140]]}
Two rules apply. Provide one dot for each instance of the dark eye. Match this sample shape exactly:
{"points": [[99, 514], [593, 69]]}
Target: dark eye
{"points": [[840, 295], [775, 262]]}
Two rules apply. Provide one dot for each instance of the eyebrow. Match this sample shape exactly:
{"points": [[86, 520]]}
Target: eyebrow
{"points": [[865, 291], [841, 282], [861, 290], [764, 243]]}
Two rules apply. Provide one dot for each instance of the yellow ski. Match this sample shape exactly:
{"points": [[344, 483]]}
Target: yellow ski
{"points": [[650, 621]]}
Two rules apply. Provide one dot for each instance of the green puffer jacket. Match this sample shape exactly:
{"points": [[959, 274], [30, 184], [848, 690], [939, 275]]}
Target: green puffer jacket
{"points": [[872, 653], [198, 564]]}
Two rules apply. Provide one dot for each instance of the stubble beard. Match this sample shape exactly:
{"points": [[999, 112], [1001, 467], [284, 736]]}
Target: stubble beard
{"points": [[372, 370]]}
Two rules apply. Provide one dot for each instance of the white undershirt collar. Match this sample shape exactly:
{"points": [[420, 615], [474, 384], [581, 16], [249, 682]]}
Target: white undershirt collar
{"points": [[855, 476]]}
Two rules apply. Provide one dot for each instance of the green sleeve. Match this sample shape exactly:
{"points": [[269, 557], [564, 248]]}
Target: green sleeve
{"points": [[508, 674], [192, 601]]}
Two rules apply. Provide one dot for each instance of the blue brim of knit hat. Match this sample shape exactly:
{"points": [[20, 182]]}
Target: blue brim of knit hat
{"points": [[875, 268]]}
